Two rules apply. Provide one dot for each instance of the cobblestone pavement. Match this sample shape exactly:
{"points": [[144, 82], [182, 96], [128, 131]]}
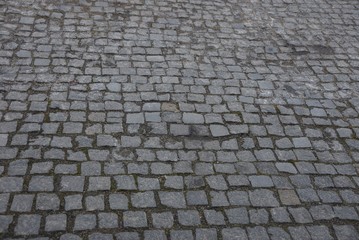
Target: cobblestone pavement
{"points": [[187, 119]]}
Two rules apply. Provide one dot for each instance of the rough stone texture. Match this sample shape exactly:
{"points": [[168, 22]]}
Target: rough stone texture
{"points": [[138, 119]]}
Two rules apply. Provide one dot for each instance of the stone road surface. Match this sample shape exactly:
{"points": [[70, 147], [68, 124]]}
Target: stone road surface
{"points": [[179, 119]]}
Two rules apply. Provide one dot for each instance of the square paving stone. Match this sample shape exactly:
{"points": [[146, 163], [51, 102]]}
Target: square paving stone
{"points": [[258, 216], [85, 222], [94, 203], [118, 201], [100, 236], [189, 217], [235, 233], [154, 234], [41, 184], [125, 182], [263, 198], [72, 183], [5, 222], [99, 183], [47, 201], [300, 215], [56, 222], [128, 236], [301, 181], [299, 233], [181, 235], [143, 200], [214, 217], [4, 202], [261, 181], [11, 184], [322, 212], [108, 220], [134, 219], [288, 197], [206, 234], [278, 233], [197, 198], [28, 225], [218, 199], [280, 215], [22, 203], [319, 232], [237, 215], [172, 199], [175, 182], [346, 232], [217, 182], [148, 184], [162, 220], [258, 232]]}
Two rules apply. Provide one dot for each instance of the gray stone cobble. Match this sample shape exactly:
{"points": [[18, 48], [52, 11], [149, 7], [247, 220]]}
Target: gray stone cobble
{"points": [[345, 232], [73, 202], [85, 222], [125, 182], [214, 218], [4, 223], [108, 220], [11, 184], [181, 234], [28, 224], [99, 183], [47, 201], [143, 199], [136, 219], [234, 233], [162, 220], [179, 119], [172, 199], [56, 222], [22, 203], [189, 217], [41, 183], [118, 201], [72, 183]]}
